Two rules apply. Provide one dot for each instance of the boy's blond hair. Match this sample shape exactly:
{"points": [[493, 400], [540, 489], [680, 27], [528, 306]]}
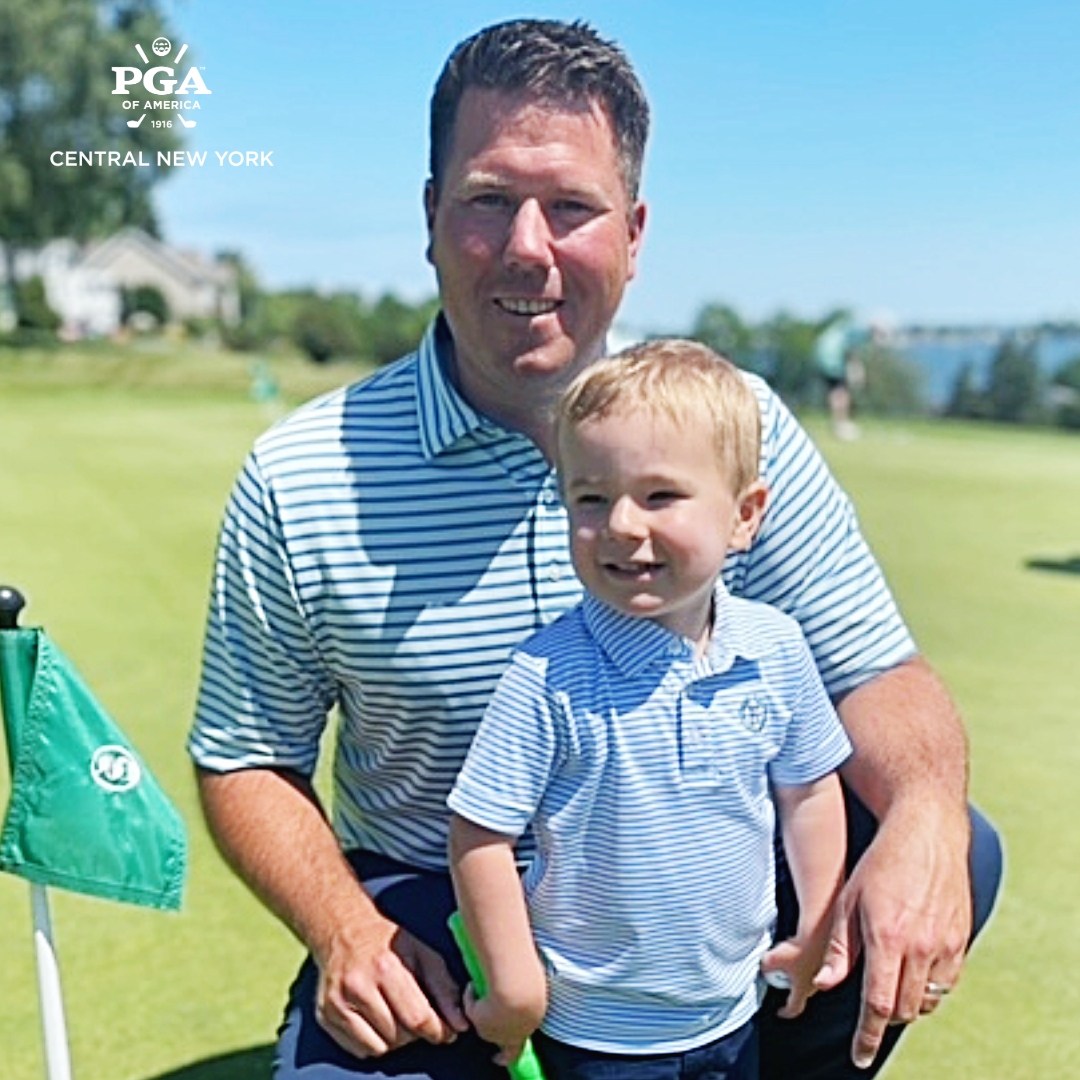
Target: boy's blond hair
{"points": [[682, 380]]}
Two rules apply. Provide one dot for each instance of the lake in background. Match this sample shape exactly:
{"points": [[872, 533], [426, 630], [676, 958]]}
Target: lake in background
{"points": [[942, 357]]}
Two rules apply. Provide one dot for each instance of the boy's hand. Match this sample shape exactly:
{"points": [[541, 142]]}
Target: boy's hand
{"points": [[506, 1028], [794, 964]]}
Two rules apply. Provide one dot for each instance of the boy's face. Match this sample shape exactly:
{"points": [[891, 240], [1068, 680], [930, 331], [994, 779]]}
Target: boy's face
{"points": [[652, 515]]}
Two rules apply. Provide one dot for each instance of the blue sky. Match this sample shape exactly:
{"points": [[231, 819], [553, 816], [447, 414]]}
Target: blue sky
{"points": [[920, 158]]}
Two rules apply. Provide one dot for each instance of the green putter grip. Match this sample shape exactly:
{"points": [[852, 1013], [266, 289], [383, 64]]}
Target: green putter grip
{"points": [[527, 1066]]}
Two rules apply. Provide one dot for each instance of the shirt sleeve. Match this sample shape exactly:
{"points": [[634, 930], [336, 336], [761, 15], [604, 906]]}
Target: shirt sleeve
{"points": [[513, 753], [264, 695], [815, 742], [811, 561]]}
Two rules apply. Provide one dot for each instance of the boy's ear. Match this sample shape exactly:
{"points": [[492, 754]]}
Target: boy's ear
{"points": [[749, 510]]}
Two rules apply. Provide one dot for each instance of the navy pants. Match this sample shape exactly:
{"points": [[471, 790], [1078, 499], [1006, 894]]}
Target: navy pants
{"points": [[733, 1057], [816, 1046]]}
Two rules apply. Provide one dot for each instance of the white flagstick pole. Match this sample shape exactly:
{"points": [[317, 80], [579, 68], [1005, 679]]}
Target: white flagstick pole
{"points": [[53, 1025]]}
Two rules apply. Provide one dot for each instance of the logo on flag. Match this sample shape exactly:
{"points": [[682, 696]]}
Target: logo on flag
{"points": [[114, 769]]}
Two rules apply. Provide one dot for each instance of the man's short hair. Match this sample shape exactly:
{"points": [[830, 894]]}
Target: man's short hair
{"points": [[560, 64], [683, 381]]}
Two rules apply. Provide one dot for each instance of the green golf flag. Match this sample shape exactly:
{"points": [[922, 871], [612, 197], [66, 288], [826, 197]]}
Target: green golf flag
{"points": [[85, 813]]}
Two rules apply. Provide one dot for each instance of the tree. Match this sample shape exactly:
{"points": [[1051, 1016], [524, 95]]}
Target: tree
{"points": [[723, 330], [395, 328], [966, 400], [328, 328], [1014, 386], [894, 384], [788, 349], [56, 88], [1066, 382]]}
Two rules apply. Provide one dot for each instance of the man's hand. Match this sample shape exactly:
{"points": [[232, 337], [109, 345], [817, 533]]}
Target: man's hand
{"points": [[384, 990], [907, 908], [907, 905], [379, 987]]}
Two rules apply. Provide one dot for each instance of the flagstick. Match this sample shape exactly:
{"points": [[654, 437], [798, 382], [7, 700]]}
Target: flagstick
{"points": [[53, 1025], [54, 1028]]}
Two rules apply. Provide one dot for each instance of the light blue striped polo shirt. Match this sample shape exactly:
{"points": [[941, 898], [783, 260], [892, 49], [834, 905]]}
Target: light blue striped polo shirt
{"points": [[386, 547], [644, 774]]}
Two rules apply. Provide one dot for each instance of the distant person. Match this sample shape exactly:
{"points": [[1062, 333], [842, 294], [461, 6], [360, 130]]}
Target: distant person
{"points": [[388, 546], [836, 360], [649, 737]]}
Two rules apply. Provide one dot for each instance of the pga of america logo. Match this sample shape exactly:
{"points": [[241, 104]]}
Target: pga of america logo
{"points": [[160, 82]]}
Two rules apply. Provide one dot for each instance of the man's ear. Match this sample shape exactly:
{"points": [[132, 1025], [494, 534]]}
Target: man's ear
{"points": [[636, 227], [749, 510], [429, 214]]}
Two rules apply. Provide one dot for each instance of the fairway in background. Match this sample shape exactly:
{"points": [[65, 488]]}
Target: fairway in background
{"points": [[963, 516], [111, 490]]}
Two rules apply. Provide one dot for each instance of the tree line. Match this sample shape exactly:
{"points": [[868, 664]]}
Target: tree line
{"points": [[1014, 388], [52, 94]]}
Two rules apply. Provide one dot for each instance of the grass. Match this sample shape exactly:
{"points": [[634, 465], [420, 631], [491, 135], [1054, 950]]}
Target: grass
{"points": [[114, 469], [979, 530], [111, 488]]}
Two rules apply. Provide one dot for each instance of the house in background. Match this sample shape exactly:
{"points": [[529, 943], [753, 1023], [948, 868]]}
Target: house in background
{"points": [[84, 283]]}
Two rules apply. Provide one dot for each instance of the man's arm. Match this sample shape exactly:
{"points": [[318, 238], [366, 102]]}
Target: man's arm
{"points": [[907, 904], [379, 987]]}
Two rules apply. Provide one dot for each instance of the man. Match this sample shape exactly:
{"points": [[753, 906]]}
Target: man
{"points": [[386, 548], [842, 371]]}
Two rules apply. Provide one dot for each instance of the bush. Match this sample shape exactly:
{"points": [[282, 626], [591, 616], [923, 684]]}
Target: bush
{"points": [[894, 386], [144, 299], [395, 328], [32, 308], [329, 328], [1065, 394]]}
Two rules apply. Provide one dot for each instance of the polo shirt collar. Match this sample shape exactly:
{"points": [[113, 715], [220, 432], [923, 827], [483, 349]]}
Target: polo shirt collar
{"points": [[635, 644], [444, 416]]}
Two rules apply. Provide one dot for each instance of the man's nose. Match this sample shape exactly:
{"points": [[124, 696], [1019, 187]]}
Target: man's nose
{"points": [[528, 242]]}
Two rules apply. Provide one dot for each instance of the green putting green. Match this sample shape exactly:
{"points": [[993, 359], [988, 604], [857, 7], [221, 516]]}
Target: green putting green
{"points": [[113, 474]]}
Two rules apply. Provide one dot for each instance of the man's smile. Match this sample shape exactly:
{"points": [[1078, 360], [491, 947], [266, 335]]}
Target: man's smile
{"points": [[526, 307]]}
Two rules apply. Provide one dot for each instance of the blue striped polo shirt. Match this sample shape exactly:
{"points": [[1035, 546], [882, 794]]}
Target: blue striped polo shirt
{"points": [[644, 774], [386, 547]]}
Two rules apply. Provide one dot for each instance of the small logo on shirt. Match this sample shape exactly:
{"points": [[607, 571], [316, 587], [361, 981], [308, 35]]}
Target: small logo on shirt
{"points": [[752, 714]]}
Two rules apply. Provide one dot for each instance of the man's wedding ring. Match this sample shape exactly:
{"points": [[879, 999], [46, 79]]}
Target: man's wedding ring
{"points": [[936, 989]]}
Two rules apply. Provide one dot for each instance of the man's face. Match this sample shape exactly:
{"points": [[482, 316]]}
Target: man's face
{"points": [[533, 239]]}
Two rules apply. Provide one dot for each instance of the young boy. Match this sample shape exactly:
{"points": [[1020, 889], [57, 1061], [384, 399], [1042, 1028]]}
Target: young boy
{"points": [[644, 737]]}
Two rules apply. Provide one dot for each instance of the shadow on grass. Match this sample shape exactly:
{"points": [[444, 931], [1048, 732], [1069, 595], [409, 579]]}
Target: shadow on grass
{"points": [[1059, 566], [253, 1064]]}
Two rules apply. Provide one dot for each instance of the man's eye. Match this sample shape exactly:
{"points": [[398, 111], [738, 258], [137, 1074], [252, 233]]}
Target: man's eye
{"points": [[490, 200], [572, 211]]}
